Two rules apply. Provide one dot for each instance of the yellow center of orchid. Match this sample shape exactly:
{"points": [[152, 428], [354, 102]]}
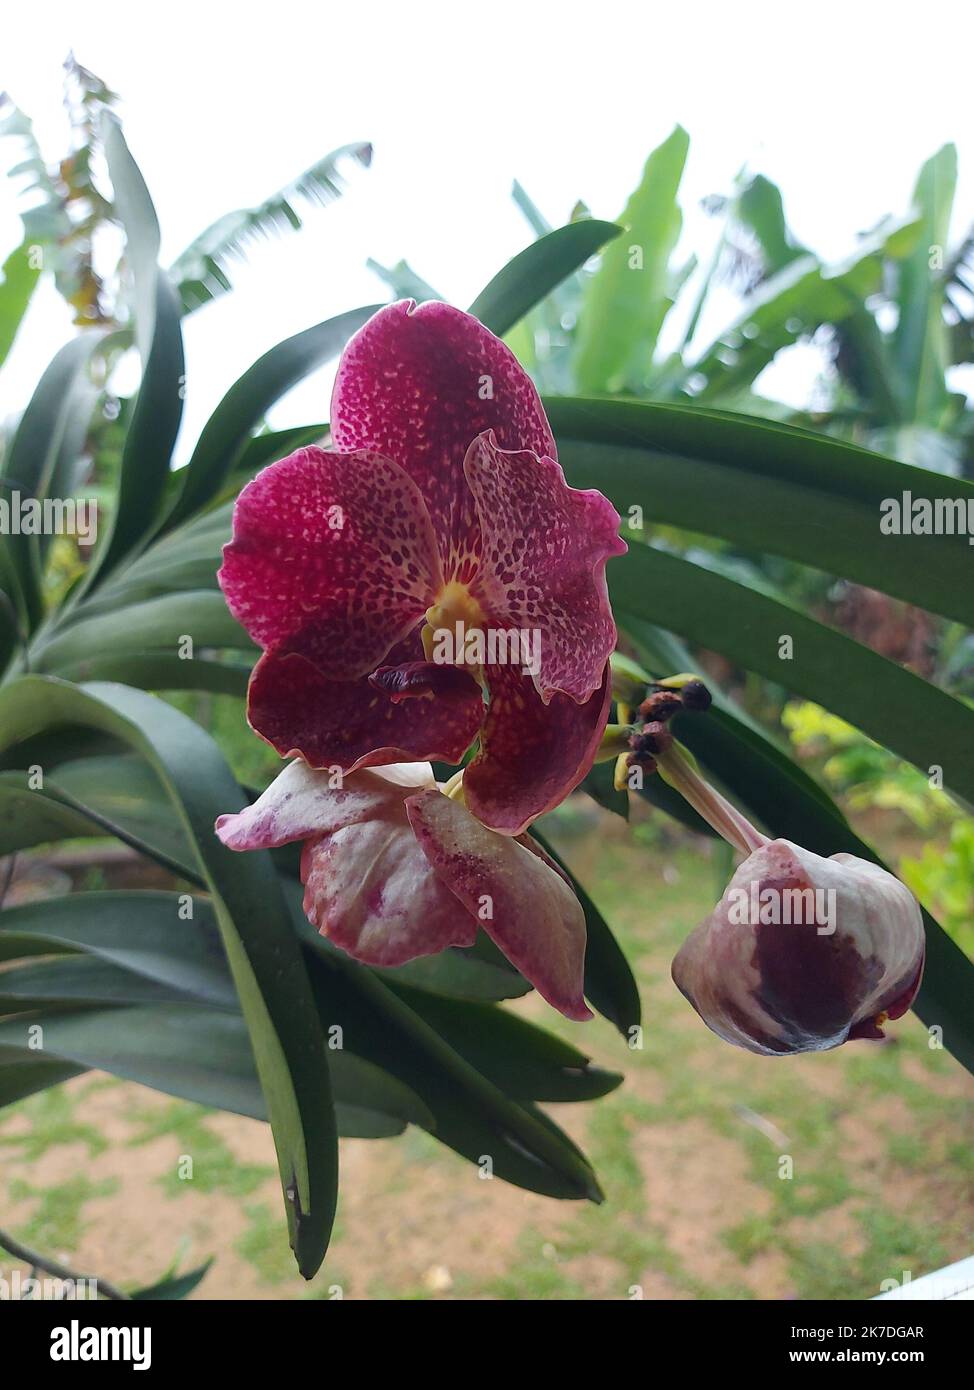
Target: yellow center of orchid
{"points": [[455, 617]]}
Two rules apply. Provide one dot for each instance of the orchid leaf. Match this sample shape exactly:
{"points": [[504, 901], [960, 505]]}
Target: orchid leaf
{"points": [[907, 714], [536, 271], [769, 488], [264, 957], [225, 435]]}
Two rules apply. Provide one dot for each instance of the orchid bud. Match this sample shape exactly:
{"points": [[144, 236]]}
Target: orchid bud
{"points": [[803, 953], [696, 697], [651, 740], [660, 706]]}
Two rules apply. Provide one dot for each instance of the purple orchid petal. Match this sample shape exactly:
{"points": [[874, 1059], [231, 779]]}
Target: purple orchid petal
{"points": [[545, 547], [417, 385], [523, 905], [370, 890], [333, 557], [349, 723], [302, 802], [532, 754]]}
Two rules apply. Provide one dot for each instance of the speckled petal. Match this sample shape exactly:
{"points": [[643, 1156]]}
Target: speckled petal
{"points": [[349, 724], [527, 909], [303, 801], [332, 556], [545, 547], [418, 385], [532, 754], [370, 889]]}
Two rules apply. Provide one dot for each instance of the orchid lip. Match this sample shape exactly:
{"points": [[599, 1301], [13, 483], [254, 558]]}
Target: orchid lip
{"points": [[395, 867]]}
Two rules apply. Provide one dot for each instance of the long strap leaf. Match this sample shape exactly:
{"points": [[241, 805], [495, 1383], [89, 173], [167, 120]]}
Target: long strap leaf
{"points": [[263, 953]]}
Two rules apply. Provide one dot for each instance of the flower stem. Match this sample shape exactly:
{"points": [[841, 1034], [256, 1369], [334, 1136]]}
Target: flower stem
{"points": [[615, 741], [716, 810], [38, 1261]]}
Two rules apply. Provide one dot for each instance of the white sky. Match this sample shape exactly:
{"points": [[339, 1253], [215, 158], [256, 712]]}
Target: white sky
{"points": [[222, 103]]}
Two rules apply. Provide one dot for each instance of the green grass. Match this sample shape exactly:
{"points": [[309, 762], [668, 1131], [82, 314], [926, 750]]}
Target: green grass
{"points": [[204, 1162], [57, 1221], [52, 1122]]}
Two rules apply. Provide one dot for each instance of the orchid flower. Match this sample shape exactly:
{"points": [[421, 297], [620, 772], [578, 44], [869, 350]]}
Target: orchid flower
{"points": [[395, 869], [381, 576]]}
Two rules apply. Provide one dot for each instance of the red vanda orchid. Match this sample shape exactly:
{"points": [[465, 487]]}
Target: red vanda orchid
{"points": [[429, 584], [440, 513]]}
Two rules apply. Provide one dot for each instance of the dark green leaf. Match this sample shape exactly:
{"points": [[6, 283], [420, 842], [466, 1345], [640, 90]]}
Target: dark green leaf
{"points": [[146, 934], [768, 488], [609, 983], [471, 1114], [150, 437], [525, 1062], [161, 623], [103, 794], [226, 433], [536, 271], [76, 980], [47, 443], [23, 1074], [174, 1285], [599, 783], [255, 925], [458, 974], [896, 708]]}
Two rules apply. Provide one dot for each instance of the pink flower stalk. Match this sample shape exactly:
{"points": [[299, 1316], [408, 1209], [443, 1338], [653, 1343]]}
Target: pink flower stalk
{"points": [[802, 952], [395, 869], [440, 511]]}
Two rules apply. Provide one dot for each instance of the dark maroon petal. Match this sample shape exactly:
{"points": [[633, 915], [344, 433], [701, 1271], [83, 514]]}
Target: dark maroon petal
{"points": [[418, 385], [545, 547], [522, 904], [332, 556], [532, 754], [350, 724]]}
